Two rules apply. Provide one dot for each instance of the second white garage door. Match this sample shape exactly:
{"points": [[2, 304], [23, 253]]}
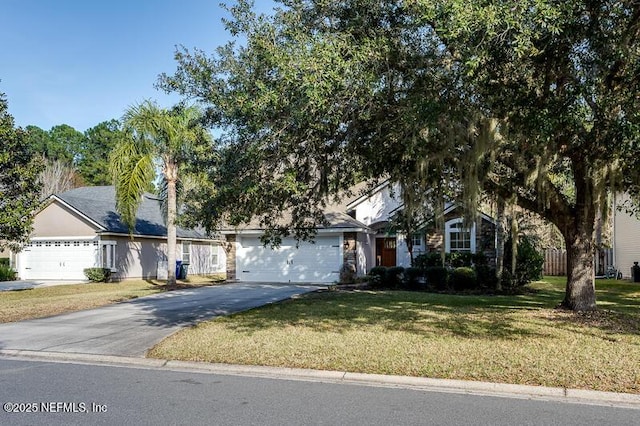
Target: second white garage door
{"points": [[317, 262]]}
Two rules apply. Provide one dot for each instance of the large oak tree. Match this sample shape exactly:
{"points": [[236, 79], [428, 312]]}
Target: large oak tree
{"points": [[534, 101]]}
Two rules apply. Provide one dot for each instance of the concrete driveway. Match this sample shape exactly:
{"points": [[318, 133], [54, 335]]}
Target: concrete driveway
{"points": [[131, 328], [27, 284]]}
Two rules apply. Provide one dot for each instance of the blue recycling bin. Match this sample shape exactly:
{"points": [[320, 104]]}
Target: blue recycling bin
{"points": [[178, 268]]}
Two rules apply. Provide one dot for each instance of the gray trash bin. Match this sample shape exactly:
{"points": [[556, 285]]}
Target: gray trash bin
{"points": [[635, 272], [184, 269]]}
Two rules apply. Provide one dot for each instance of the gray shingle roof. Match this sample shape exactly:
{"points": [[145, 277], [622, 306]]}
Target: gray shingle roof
{"points": [[99, 204], [335, 214]]}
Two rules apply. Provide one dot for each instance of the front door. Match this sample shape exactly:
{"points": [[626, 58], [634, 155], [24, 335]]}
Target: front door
{"points": [[385, 252]]}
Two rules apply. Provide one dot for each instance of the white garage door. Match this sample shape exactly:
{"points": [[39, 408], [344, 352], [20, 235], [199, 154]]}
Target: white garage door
{"points": [[57, 260], [310, 262]]}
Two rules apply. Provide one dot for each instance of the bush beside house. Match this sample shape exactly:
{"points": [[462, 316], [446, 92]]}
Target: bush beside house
{"points": [[98, 275], [463, 272], [6, 272]]}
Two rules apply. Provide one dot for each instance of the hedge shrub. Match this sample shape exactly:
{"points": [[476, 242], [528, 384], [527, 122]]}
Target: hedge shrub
{"points": [[452, 260], [463, 278], [459, 259], [486, 276], [414, 279], [395, 277], [426, 260], [378, 276], [97, 275], [7, 273], [437, 277]]}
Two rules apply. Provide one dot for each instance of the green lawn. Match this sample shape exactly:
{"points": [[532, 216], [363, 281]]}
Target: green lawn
{"points": [[41, 302], [512, 339]]}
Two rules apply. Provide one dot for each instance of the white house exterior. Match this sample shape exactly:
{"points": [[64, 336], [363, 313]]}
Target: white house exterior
{"points": [[626, 237]]}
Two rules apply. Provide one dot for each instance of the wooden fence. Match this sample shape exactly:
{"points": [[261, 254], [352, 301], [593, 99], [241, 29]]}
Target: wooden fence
{"points": [[555, 261]]}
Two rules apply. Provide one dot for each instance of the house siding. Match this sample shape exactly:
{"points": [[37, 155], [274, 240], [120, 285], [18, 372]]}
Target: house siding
{"points": [[137, 258], [403, 258], [201, 258], [56, 220], [379, 206], [365, 252], [626, 239]]}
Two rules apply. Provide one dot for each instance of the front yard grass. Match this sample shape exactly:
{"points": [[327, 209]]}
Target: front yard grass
{"points": [[18, 305], [511, 339]]}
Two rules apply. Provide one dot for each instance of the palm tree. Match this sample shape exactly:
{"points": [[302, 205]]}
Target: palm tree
{"points": [[154, 137]]}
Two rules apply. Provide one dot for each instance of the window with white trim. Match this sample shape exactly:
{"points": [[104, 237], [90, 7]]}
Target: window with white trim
{"points": [[416, 240], [108, 255], [213, 250], [458, 238], [186, 252]]}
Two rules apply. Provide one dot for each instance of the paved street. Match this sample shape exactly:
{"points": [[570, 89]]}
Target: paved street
{"points": [[131, 328], [135, 396]]}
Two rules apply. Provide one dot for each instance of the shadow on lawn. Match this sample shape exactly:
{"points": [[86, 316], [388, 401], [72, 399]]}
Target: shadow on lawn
{"points": [[418, 313], [428, 314], [612, 323]]}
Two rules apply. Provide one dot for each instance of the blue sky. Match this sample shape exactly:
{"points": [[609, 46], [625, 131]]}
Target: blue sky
{"points": [[81, 62]]}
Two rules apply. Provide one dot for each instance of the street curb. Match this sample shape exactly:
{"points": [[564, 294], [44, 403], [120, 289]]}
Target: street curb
{"points": [[576, 396]]}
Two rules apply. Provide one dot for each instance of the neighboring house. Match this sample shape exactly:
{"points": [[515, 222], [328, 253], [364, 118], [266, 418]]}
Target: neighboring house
{"points": [[358, 233], [80, 229], [626, 237]]}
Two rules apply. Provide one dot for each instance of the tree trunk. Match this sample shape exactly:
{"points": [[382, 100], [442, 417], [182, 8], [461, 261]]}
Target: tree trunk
{"points": [[171, 174], [580, 292], [500, 243], [514, 244], [578, 230]]}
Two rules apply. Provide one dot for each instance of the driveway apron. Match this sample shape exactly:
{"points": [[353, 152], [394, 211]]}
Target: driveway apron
{"points": [[131, 328]]}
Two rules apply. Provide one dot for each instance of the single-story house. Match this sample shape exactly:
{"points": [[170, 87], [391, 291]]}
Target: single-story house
{"points": [[356, 233], [626, 236], [80, 229]]}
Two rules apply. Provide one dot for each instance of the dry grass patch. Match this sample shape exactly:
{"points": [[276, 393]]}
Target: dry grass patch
{"points": [[18, 305], [510, 339]]}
